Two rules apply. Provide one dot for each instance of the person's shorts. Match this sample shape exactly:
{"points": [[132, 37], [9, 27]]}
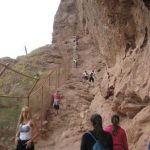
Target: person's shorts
{"points": [[91, 79], [22, 145], [86, 77], [56, 105]]}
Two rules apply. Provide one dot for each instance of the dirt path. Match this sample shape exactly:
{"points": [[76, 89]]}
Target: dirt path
{"points": [[65, 130]]}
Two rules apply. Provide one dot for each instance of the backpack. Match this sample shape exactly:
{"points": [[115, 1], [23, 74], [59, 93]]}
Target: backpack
{"points": [[97, 145]]}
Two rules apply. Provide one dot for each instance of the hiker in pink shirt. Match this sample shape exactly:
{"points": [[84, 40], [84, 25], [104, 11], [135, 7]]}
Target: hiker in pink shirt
{"points": [[118, 134], [57, 99]]}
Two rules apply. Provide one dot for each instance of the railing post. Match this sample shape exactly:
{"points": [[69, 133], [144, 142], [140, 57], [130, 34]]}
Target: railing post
{"points": [[4, 68], [58, 75], [28, 102], [56, 79], [65, 68], [42, 107], [49, 81]]}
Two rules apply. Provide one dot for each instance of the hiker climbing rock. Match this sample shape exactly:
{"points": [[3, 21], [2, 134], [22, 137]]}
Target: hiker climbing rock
{"points": [[75, 44], [85, 75], [118, 134], [77, 40], [91, 78], [96, 139], [57, 99], [75, 62], [27, 131]]}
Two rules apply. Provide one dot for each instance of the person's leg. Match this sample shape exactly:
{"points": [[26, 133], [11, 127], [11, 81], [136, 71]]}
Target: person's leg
{"points": [[23, 145], [53, 108], [57, 108], [92, 80]]}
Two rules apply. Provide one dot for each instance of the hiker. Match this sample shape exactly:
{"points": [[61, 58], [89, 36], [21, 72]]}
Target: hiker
{"points": [[75, 44], [85, 75], [75, 62], [96, 139], [25, 136], [118, 134], [57, 99], [91, 78], [77, 39]]}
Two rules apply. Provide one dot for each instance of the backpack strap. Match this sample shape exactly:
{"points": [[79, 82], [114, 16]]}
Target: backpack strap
{"points": [[93, 137]]}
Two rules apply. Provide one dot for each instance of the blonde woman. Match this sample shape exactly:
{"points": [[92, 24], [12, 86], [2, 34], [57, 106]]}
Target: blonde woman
{"points": [[27, 131]]}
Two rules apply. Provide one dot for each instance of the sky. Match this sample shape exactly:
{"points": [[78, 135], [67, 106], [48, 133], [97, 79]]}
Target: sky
{"points": [[25, 23]]}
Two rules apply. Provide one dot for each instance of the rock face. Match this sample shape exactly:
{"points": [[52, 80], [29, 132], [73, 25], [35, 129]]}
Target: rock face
{"points": [[120, 30], [65, 21]]}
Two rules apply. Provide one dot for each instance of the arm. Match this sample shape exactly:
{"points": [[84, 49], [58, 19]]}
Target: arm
{"points": [[83, 143], [17, 137], [35, 135], [36, 130]]}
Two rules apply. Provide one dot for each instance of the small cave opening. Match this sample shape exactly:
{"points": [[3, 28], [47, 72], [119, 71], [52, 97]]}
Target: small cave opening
{"points": [[147, 3]]}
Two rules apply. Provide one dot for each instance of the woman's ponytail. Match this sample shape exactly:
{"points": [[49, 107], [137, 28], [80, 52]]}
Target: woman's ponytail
{"points": [[96, 121], [115, 122]]}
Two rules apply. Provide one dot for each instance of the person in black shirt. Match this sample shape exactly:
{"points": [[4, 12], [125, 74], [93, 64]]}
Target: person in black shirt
{"points": [[91, 78], [104, 138]]}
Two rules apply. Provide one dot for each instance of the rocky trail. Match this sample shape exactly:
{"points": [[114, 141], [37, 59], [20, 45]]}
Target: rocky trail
{"points": [[66, 128], [64, 131]]}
